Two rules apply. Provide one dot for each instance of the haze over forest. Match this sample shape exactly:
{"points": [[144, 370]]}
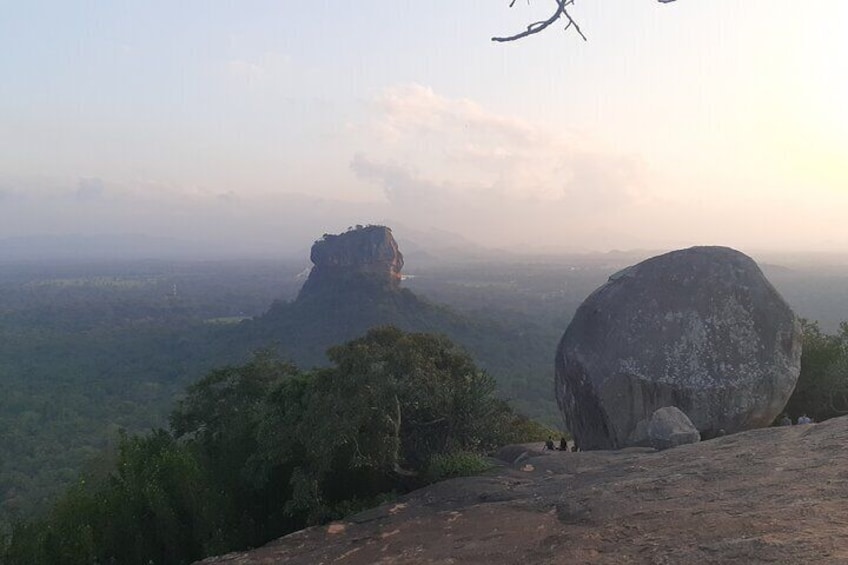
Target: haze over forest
{"points": [[171, 388], [255, 128]]}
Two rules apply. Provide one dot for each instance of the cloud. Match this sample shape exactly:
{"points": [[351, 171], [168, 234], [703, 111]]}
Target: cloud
{"points": [[403, 185], [451, 164], [416, 109], [434, 146]]}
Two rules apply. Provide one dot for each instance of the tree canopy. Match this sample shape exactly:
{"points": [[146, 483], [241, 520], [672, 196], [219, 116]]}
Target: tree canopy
{"points": [[822, 389], [261, 449]]}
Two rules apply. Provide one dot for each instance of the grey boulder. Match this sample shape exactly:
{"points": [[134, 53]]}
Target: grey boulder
{"points": [[700, 328], [669, 427]]}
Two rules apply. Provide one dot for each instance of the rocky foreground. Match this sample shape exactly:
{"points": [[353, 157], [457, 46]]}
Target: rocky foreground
{"points": [[775, 495]]}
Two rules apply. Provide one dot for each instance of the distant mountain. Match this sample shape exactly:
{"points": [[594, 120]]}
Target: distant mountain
{"points": [[355, 285], [94, 247], [84, 247]]}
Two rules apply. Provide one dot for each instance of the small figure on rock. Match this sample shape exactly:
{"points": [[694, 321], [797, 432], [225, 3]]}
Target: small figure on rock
{"points": [[550, 443], [563, 444], [804, 419], [785, 421]]}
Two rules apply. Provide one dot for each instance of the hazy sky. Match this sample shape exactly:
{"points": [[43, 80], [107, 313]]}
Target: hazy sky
{"points": [[264, 124]]}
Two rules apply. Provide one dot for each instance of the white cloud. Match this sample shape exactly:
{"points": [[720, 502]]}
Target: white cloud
{"points": [[452, 164], [461, 149], [416, 109]]}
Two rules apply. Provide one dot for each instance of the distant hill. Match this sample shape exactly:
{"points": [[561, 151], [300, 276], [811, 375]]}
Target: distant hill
{"points": [[355, 285], [127, 246], [77, 247]]}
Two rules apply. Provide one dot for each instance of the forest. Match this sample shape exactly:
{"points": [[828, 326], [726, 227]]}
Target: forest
{"points": [[109, 366], [261, 449], [91, 349]]}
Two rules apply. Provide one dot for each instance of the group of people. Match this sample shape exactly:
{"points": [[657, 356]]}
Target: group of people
{"points": [[802, 419], [563, 445]]}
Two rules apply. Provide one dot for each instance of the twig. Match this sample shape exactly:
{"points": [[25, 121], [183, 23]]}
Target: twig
{"points": [[536, 27], [561, 12]]}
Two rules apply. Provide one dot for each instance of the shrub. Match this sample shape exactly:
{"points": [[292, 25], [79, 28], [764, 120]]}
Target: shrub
{"points": [[460, 464]]}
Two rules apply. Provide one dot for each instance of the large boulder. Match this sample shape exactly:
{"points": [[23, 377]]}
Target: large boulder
{"points": [[701, 329], [669, 427]]}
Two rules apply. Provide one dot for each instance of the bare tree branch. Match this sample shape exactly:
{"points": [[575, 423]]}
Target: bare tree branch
{"points": [[397, 426], [561, 12], [536, 27]]}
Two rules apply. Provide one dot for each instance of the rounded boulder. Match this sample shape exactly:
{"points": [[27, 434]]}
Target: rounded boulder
{"points": [[701, 329]]}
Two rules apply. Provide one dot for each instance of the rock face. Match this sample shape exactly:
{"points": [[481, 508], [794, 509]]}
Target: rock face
{"points": [[701, 329], [366, 255], [669, 427], [775, 495]]}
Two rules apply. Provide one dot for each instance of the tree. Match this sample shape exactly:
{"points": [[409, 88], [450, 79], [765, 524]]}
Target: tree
{"points": [[263, 449], [219, 419], [373, 422], [560, 13], [152, 508], [822, 388]]}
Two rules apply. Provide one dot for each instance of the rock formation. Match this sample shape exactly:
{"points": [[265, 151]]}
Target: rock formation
{"points": [[774, 495], [701, 329], [669, 427], [364, 255]]}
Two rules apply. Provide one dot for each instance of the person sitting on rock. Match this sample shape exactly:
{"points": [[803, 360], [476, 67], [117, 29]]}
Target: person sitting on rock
{"points": [[549, 445], [563, 444], [802, 419], [785, 421]]}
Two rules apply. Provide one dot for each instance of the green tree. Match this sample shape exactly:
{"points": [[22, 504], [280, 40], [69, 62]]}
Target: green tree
{"points": [[372, 423], [262, 449], [153, 508], [219, 419], [822, 388]]}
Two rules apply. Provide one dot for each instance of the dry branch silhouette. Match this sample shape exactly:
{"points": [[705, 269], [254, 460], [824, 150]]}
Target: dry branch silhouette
{"points": [[561, 12]]}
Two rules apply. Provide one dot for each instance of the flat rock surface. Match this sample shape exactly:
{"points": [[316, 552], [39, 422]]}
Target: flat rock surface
{"points": [[775, 495]]}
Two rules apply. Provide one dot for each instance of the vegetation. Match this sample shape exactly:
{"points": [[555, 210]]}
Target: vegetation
{"points": [[458, 464], [822, 389], [87, 350], [516, 352], [261, 449]]}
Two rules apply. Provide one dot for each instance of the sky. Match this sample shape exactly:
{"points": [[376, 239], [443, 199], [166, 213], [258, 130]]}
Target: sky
{"points": [[260, 125]]}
